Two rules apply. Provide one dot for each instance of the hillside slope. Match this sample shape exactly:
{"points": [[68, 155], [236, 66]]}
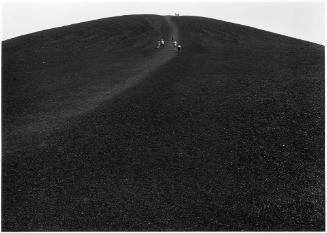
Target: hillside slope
{"points": [[227, 135]]}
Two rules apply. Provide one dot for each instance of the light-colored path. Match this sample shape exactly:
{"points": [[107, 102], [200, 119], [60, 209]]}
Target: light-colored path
{"points": [[57, 117]]}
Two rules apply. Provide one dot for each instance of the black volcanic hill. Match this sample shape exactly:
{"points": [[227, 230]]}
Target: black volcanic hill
{"points": [[102, 131]]}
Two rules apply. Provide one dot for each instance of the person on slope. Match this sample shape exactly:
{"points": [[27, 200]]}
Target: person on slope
{"points": [[162, 43], [175, 44], [179, 48]]}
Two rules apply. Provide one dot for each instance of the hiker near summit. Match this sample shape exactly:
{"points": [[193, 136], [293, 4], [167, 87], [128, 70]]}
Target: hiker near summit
{"points": [[179, 47]]}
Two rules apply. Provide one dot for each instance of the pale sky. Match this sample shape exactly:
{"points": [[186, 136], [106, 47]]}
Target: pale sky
{"points": [[299, 19]]}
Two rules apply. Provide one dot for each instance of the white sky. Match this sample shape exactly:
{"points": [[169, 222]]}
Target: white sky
{"points": [[299, 19]]}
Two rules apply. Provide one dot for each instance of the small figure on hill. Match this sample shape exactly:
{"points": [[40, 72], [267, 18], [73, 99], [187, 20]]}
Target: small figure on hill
{"points": [[162, 43], [175, 44], [179, 48]]}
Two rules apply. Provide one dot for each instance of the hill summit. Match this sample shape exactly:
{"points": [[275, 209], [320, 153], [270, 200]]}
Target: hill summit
{"points": [[103, 131]]}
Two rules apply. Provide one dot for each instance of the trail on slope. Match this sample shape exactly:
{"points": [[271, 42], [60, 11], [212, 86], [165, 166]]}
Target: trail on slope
{"points": [[45, 122]]}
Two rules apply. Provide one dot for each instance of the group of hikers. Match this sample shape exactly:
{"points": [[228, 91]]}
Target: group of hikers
{"points": [[177, 46]]}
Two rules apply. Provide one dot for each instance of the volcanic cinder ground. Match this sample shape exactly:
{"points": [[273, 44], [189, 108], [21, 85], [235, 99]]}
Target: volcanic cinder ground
{"points": [[102, 131]]}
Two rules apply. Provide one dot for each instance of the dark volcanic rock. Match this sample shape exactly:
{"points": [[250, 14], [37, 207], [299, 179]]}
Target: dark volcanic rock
{"points": [[228, 135]]}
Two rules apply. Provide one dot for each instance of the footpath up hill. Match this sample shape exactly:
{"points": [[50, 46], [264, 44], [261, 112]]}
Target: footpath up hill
{"points": [[227, 135], [54, 74]]}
